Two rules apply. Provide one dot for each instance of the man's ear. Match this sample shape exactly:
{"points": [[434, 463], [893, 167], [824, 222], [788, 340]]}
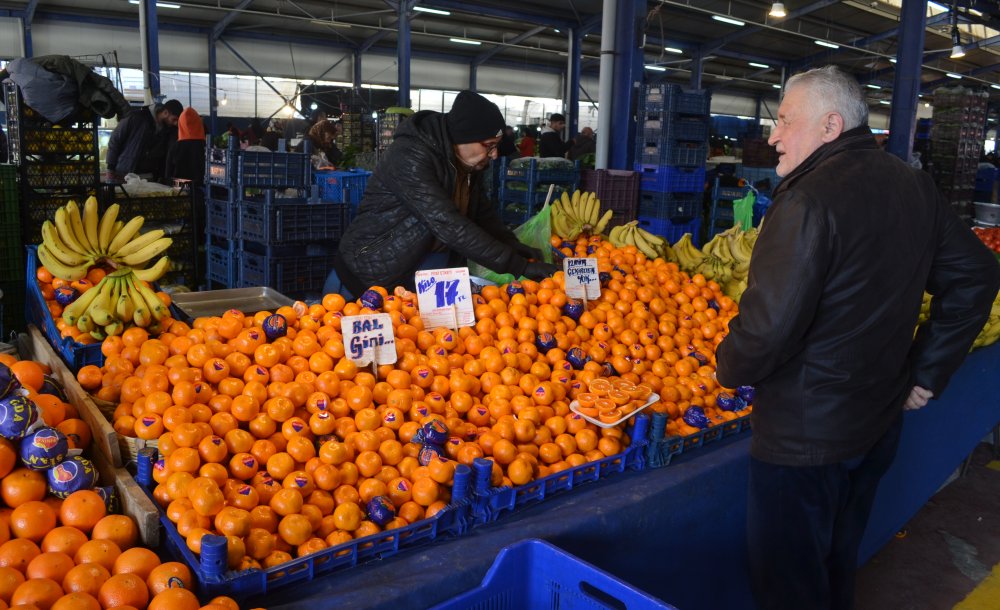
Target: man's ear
{"points": [[833, 126]]}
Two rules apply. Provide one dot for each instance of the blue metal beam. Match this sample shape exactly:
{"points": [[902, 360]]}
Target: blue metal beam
{"points": [[931, 85], [488, 53], [403, 52], [501, 13], [213, 92], [906, 86], [356, 81], [575, 39], [473, 69], [152, 46], [223, 23], [628, 70], [29, 11], [712, 46], [697, 67]]}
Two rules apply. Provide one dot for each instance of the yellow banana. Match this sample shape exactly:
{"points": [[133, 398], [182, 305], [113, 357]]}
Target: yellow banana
{"points": [[58, 249], [603, 222], [141, 315], [65, 231], [151, 274], [90, 222], [575, 198], [564, 197], [71, 315], [108, 221], [58, 269], [156, 307], [76, 225], [137, 244], [124, 235]]}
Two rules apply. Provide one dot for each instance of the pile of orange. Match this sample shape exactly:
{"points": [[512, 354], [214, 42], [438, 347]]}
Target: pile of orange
{"points": [[70, 555], [54, 411], [279, 445], [48, 284]]}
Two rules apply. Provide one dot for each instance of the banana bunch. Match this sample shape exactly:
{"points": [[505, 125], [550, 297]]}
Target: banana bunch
{"points": [[991, 331], [118, 301], [724, 259], [688, 256], [578, 214], [630, 234], [76, 241]]}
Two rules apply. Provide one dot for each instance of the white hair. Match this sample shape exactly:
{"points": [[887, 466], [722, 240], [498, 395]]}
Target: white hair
{"points": [[834, 90]]}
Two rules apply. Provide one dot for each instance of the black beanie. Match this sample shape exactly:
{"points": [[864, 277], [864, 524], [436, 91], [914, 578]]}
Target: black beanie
{"points": [[473, 118], [173, 107]]}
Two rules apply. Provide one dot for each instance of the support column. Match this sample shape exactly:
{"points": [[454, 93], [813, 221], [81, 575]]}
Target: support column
{"points": [[906, 83], [572, 98], [357, 71], [627, 77], [403, 53], [697, 65], [213, 92], [149, 39], [756, 116], [26, 38], [473, 73]]}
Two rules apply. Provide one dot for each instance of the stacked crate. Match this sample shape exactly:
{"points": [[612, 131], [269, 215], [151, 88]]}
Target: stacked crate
{"points": [[11, 255], [957, 133], [523, 189], [266, 225], [671, 148], [618, 191], [385, 127], [352, 131], [56, 163]]}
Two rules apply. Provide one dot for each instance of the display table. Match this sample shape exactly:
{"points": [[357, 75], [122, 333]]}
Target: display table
{"points": [[676, 532]]}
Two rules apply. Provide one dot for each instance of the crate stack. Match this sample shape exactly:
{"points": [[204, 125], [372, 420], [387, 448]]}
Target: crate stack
{"points": [[352, 133], [922, 142], [524, 187], [56, 163], [957, 133], [11, 254], [265, 223], [671, 148], [725, 190], [346, 187], [618, 191], [385, 126]]}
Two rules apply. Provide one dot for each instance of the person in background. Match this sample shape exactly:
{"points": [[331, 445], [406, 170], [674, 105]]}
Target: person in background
{"points": [[186, 158], [252, 134], [526, 146], [272, 134], [425, 206], [140, 141], [323, 136], [824, 333], [551, 143], [3, 147], [507, 147], [583, 144]]}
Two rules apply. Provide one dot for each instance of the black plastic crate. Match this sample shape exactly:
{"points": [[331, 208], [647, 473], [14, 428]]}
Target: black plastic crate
{"points": [[158, 208], [291, 270], [220, 218], [675, 207], [11, 253], [281, 223], [617, 189], [10, 214], [38, 205], [12, 307], [222, 264], [60, 174], [76, 142]]}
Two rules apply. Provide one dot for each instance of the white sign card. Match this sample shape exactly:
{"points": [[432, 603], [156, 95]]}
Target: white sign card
{"points": [[369, 339], [444, 297], [582, 278]]}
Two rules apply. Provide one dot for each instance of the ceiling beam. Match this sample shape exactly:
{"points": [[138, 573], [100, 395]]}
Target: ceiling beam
{"points": [[462, 6], [712, 45], [485, 55], [223, 23], [929, 86], [29, 11]]}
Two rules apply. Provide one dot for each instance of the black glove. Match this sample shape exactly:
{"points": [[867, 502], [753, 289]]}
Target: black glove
{"points": [[527, 251], [540, 270]]}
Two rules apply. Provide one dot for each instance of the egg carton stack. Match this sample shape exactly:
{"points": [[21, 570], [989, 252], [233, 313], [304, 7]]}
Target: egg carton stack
{"points": [[11, 257], [352, 133], [671, 149], [957, 133], [385, 126]]}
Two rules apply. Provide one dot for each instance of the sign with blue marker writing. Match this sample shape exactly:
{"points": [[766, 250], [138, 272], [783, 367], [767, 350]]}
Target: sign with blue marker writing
{"points": [[369, 339], [445, 297], [582, 279]]}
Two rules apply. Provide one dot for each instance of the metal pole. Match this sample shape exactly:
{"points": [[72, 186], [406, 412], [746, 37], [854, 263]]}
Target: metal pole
{"points": [[403, 54], [605, 86], [149, 35], [575, 39], [697, 67], [26, 50], [213, 103], [628, 76], [144, 54], [473, 73], [906, 83], [357, 71]]}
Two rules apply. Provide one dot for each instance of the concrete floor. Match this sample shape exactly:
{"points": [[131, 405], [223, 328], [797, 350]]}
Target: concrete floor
{"points": [[948, 556]]}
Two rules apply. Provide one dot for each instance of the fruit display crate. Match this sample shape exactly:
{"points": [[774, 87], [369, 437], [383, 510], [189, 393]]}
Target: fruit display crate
{"points": [[617, 189], [535, 574], [672, 231], [220, 218], [662, 449], [279, 222], [234, 167], [175, 207], [669, 179], [213, 578], [31, 137], [676, 207], [342, 186], [296, 271], [60, 174], [491, 503], [671, 152]]}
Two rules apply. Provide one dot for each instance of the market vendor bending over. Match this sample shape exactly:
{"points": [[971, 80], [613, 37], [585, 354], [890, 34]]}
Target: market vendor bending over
{"points": [[425, 206]]}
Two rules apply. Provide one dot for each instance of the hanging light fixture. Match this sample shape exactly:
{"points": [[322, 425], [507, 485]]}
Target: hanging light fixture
{"points": [[777, 10], [956, 38]]}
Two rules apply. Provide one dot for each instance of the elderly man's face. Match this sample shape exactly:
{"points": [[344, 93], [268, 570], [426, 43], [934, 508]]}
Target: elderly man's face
{"points": [[801, 129]]}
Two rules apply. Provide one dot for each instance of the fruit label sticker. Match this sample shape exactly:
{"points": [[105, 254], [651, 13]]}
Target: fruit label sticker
{"points": [[582, 279], [369, 339], [444, 297]]}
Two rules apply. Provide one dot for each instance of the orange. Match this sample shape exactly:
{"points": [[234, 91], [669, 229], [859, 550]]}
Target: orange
{"points": [[169, 575], [174, 599], [42, 592], [85, 578], [10, 580], [123, 590], [50, 565], [101, 552], [83, 510], [32, 520], [52, 409], [139, 561], [8, 457], [29, 373], [77, 601], [18, 553], [23, 485], [119, 529]]}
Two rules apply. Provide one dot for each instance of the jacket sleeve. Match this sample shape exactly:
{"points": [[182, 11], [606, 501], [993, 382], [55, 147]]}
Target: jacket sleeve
{"points": [[117, 141], [785, 284], [963, 282], [413, 180]]}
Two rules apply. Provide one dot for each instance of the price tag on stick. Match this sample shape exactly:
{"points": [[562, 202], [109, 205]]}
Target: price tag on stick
{"points": [[444, 297], [369, 339], [582, 278]]}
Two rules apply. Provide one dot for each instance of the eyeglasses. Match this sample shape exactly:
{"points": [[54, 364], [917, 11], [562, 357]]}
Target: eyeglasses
{"points": [[490, 147]]}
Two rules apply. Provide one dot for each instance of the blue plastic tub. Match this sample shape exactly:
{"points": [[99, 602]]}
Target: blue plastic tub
{"points": [[662, 449], [342, 186], [675, 207], [284, 223], [537, 575], [669, 179]]}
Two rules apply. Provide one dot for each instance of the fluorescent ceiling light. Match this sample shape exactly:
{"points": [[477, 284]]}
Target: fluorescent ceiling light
{"points": [[330, 23], [957, 51], [673, 50], [159, 4], [776, 86], [995, 86], [424, 9], [656, 68], [892, 60], [952, 75], [871, 86], [777, 10], [883, 102], [826, 44], [728, 20], [937, 6], [757, 65], [465, 41]]}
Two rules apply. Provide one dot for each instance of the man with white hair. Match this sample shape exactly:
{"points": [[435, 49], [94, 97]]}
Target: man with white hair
{"points": [[852, 240]]}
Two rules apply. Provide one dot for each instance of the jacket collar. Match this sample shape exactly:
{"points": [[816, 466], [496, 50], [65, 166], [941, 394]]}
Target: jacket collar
{"points": [[859, 138]]}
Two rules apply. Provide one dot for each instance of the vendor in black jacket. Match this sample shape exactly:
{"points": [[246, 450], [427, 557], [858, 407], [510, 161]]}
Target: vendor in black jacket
{"points": [[425, 207], [825, 333]]}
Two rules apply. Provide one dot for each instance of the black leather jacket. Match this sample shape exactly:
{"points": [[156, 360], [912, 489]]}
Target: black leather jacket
{"points": [[407, 206], [825, 330]]}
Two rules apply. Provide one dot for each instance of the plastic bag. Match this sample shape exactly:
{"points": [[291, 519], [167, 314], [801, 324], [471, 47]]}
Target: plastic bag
{"points": [[135, 186], [743, 210], [536, 233]]}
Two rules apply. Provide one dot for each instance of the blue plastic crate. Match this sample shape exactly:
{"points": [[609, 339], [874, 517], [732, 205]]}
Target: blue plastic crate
{"points": [[535, 574], [279, 222], [764, 179], [674, 100], [220, 218], [297, 271], [222, 264], [531, 172], [661, 127], [274, 169], [671, 152], [675, 207], [213, 578], [669, 179], [341, 186], [672, 231]]}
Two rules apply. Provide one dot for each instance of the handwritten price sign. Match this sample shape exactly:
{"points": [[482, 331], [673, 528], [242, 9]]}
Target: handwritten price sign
{"points": [[582, 278], [369, 339], [445, 297]]}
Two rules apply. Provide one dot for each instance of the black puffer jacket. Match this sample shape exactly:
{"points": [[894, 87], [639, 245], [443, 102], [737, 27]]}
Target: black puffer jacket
{"points": [[825, 329], [407, 206]]}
